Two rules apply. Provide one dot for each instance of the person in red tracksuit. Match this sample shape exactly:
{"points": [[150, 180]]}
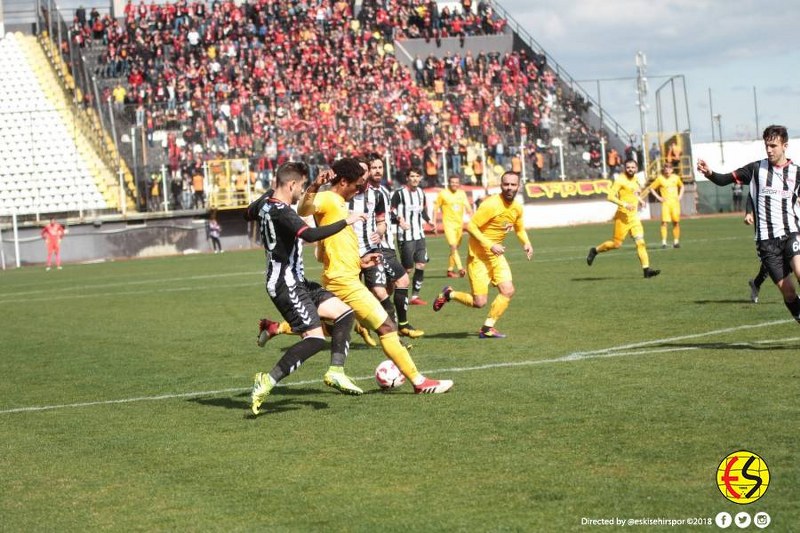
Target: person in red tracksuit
{"points": [[52, 234]]}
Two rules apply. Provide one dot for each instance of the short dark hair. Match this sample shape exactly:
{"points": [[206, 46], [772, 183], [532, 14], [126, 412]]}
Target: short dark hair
{"points": [[775, 131], [631, 160], [510, 172], [291, 171], [347, 169]]}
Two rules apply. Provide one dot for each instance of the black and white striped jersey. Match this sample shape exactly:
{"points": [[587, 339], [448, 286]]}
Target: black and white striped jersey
{"points": [[774, 191], [387, 242], [280, 228], [369, 202], [412, 207]]}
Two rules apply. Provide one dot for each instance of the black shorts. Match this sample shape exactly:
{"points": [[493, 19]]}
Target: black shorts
{"points": [[412, 252], [394, 270], [374, 276], [776, 255], [298, 304]]}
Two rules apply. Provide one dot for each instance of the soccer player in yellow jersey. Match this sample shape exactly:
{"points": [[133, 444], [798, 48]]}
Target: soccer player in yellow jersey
{"points": [[486, 263], [668, 189], [453, 203], [625, 193], [342, 265]]}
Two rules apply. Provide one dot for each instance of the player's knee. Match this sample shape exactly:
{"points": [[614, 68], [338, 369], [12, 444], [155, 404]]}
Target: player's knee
{"points": [[616, 244], [787, 289], [508, 292], [380, 292], [479, 301], [388, 326]]}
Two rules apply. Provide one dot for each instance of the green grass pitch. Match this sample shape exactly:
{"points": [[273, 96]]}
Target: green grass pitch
{"points": [[124, 398]]}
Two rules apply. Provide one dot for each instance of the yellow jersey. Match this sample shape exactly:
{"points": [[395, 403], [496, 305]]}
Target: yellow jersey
{"points": [[623, 191], [453, 206], [340, 251], [669, 187], [491, 223]]}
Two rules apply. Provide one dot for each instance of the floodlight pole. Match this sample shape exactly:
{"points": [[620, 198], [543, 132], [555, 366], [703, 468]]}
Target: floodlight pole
{"points": [[641, 93], [718, 118]]}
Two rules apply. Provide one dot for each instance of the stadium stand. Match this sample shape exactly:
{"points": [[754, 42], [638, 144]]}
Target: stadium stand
{"points": [[228, 90], [47, 164], [266, 81]]}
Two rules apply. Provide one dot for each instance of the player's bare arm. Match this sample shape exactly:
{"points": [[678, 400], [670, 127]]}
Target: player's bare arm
{"points": [[306, 205], [356, 217], [371, 259], [528, 247]]}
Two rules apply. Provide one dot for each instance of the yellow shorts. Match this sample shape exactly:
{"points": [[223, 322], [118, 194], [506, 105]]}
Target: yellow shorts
{"points": [[367, 308], [483, 270], [671, 211], [627, 225], [453, 234]]}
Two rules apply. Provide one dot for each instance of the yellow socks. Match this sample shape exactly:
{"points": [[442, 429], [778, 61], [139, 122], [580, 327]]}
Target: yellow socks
{"points": [[399, 354], [604, 247], [463, 298], [455, 259], [499, 306], [641, 251]]}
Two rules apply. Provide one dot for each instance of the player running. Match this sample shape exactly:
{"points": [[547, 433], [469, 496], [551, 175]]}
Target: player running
{"points": [[496, 216], [625, 193]]}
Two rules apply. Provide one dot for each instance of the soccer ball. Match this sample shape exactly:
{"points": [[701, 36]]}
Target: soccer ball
{"points": [[388, 375]]}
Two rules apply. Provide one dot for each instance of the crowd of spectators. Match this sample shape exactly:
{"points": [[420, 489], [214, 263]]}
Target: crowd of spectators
{"points": [[404, 19], [272, 80]]}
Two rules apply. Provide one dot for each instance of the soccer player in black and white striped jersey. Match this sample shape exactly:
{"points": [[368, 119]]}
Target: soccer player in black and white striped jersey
{"points": [[411, 208], [393, 279], [774, 187]]}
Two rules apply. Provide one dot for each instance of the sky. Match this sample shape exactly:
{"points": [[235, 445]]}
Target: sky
{"points": [[715, 45]]}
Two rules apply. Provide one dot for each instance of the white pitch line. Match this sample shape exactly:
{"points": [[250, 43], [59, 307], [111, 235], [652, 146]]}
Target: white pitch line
{"points": [[127, 293], [127, 283], [614, 351]]}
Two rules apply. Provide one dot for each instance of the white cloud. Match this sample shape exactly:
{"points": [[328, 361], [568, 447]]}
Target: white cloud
{"points": [[728, 46]]}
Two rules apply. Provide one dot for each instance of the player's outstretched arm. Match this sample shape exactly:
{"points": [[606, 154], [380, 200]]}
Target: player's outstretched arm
{"points": [[713, 177]]}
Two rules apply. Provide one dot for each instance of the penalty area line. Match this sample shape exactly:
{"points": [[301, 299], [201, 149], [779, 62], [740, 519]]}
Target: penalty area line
{"points": [[614, 351]]}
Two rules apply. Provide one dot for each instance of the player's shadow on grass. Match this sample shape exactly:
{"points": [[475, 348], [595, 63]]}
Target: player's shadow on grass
{"points": [[726, 301], [595, 278], [451, 335], [284, 399]]}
